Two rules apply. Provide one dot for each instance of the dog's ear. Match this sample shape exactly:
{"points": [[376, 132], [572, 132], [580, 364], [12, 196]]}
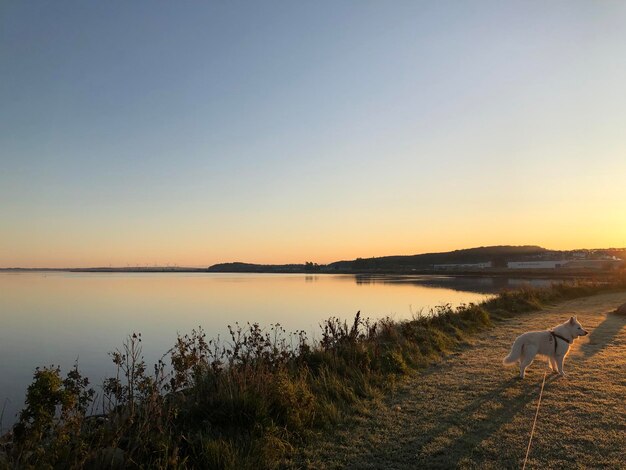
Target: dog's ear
{"points": [[572, 320]]}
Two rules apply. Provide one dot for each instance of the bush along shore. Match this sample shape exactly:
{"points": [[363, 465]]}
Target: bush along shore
{"points": [[243, 403]]}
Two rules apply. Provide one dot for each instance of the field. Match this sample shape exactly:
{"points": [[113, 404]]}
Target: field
{"points": [[471, 412]]}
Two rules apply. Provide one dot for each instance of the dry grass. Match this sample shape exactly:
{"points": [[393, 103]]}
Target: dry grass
{"points": [[469, 411]]}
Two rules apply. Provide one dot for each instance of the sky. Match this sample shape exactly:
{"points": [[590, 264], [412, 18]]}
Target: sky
{"points": [[191, 133]]}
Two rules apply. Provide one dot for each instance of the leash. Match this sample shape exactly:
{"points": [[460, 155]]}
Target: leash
{"points": [[532, 431]]}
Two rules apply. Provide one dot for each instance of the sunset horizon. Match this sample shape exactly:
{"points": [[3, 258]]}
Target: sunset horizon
{"points": [[302, 259], [310, 134]]}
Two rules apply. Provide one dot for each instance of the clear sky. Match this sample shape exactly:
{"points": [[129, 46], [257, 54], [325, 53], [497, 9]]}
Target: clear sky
{"points": [[192, 133]]}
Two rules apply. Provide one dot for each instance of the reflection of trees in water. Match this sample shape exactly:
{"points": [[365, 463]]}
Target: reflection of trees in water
{"points": [[479, 285]]}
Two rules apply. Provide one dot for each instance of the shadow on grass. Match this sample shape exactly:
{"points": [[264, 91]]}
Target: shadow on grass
{"points": [[603, 334], [467, 431]]}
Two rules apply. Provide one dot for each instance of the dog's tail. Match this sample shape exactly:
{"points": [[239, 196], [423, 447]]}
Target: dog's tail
{"points": [[515, 354]]}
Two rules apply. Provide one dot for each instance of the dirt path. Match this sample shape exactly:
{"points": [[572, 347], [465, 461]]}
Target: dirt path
{"points": [[471, 412]]}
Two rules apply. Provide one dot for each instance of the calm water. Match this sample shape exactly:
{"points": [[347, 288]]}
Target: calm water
{"points": [[57, 318]]}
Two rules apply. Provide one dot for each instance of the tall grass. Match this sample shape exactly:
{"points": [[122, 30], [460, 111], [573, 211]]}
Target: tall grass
{"points": [[243, 403]]}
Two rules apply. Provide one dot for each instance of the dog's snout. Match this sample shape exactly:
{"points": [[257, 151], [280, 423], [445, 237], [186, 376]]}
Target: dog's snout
{"points": [[585, 332]]}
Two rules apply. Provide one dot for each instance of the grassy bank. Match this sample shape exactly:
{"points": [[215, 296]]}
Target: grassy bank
{"points": [[468, 411], [245, 403]]}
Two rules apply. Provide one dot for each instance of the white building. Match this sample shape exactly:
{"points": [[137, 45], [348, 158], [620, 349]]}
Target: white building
{"points": [[461, 266], [595, 263], [536, 264], [570, 264]]}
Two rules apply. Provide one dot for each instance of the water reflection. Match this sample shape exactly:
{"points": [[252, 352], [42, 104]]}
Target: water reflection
{"points": [[484, 285]]}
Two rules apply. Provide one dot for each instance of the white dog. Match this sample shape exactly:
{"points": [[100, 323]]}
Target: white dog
{"points": [[551, 343]]}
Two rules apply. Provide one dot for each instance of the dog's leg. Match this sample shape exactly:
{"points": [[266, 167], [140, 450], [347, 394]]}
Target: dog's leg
{"points": [[553, 364], [525, 361], [559, 363]]}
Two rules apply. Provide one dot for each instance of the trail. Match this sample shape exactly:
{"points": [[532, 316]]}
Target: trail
{"points": [[469, 411]]}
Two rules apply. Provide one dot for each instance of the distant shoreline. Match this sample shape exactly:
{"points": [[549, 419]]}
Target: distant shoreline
{"points": [[527, 261], [503, 272]]}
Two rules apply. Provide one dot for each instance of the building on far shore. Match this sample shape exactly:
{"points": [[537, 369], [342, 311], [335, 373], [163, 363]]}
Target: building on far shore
{"points": [[536, 264], [462, 266], [595, 264], [603, 264]]}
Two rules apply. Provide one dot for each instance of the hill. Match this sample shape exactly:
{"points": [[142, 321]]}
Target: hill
{"points": [[238, 267], [498, 255]]}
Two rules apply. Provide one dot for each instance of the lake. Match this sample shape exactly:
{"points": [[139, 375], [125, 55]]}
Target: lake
{"points": [[59, 317]]}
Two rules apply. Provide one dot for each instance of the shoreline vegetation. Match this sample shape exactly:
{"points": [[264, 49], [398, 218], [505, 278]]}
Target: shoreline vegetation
{"points": [[250, 401]]}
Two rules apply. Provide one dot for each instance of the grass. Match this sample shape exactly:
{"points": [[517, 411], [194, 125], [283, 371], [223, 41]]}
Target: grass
{"points": [[468, 411], [248, 403]]}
